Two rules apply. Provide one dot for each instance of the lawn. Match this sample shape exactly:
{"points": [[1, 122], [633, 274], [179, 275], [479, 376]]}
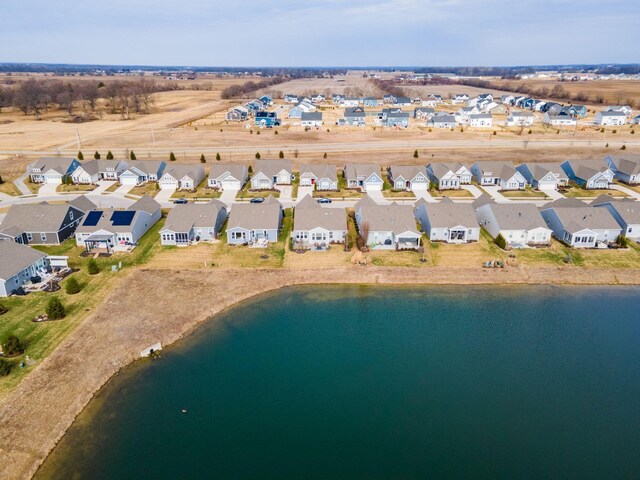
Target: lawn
{"points": [[526, 193], [33, 187], [9, 188], [150, 188], [201, 192], [62, 188], [398, 258], [583, 192], [387, 190], [461, 193], [246, 192], [113, 188], [41, 338]]}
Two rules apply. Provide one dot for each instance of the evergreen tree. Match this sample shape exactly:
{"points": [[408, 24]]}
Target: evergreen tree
{"points": [[415, 154], [172, 157], [109, 155], [96, 155], [281, 154], [54, 309], [325, 155], [5, 367], [92, 267], [12, 346], [1, 180], [257, 155], [500, 241], [218, 157], [72, 286], [203, 159], [132, 156], [80, 156]]}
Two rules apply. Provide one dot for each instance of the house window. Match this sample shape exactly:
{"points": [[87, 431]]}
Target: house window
{"points": [[29, 237], [43, 237], [71, 215]]}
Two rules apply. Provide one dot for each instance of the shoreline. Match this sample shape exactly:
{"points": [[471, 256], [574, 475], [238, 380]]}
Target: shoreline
{"points": [[142, 310]]}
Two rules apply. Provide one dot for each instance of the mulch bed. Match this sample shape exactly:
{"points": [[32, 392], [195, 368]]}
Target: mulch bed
{"points": [[44, 318]]}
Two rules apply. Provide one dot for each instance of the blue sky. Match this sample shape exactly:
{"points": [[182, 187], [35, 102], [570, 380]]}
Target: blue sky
{"points": [[320, 32]]}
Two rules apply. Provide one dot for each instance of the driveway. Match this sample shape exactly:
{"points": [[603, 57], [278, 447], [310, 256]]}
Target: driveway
{"points": [[47, 189], [228, 196], [632, 193], [425, 195], [304, 191], [124, 189], [475, 191], [164, 195], [102, 186], [495, 194], [376, 196], [552, 193], [19, 183], [285, 192]]}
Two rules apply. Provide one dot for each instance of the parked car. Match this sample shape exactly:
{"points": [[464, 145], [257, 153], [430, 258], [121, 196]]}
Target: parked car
{"points": [[180, 201], [257, 200], [323, 200]]}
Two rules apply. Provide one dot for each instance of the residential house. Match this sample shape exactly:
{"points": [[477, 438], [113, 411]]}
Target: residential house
{"points": [[371, 102], [580, 225], [625, 168], [52, 169], [311, 119], [117, 230], [266, 100], [354, 116], [589, 174], [40, 223], [559, 120], [460, 98], [364, 176], [254, 106], [442, 120], [267, 119], [496, 109], [18, 264], [193, 222], [255, 224], [300, 108], [290, 98], [337, 98], [237, 114], [574, 110], [142, 171], [268, 173], [83, 204], [611, 119], [389, 227], [323, 177], [626, 109], [182, 177], [519, 224], [463, 114], [447, 221], [544, 176], [501, 174], [95, 170], [388, 98], [552, 108], [316, 227], [520, 119], [393, 117], [636, 120], [318, 98], [449, 176], [481, 120], [423, 113], [402, 102], [412, 178], [228, 176], [625, 211], [350, 102]]}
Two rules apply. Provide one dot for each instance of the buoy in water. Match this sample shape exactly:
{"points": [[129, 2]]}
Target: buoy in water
{"points": [[184, 410]]}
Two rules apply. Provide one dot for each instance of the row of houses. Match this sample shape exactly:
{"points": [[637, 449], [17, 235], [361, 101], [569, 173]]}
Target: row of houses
{"points": [[241, 113]]}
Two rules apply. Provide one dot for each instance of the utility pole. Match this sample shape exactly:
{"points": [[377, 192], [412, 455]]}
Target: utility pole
{"points": [[153, 136], [78, 138]]}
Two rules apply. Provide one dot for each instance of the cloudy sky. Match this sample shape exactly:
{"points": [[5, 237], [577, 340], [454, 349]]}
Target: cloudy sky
{"points": [[320, 32]]}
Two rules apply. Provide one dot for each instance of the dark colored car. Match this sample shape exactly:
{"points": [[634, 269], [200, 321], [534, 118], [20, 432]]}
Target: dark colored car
{"points": [[180, 201], [323, 200], [257, 200]]}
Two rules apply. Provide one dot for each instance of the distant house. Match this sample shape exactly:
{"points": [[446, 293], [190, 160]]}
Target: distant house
{"points": [[481, 120], [626, 212], [388, 98], [520, 119], [192, 223], [611, 119], [447, 221], [117, 230], [402, 101], [519, 224], [228, 176], [268, 173], [412, 178], [449, 176], [316, 227], [580, 225], [501, 174], [354, 116], [40, 223], [311, 119], [18, 263], [371, 102], [52, 169], [142, 171], [318, 98], [182, 177], [95, 170], [589, 174], [393, 117], [290, 98], [625, 168], [350, 102], [300, 108], [460, 98], [337, 98], [636, 120], [559, 120], [266, 100], [363, 176], [544, 176], [495, 109], [254, 106], [255, 224], [574, 110], [423, 113], [323, 177], [267, 119], [463, 113], [390, 227], [626, 109], [237, 114], [442, 121]]}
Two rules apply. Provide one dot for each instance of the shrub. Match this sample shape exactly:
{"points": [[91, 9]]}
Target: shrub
{"points": [[96, 155], [72, 286], [495, 133], [1, 180], [218, 158], [622, 241], [623, 147], [55, 309], [275, 132], [5, 367], [250, 169], [172, 157], [203, 159], [614, 131], [3, 309], [606, 146], [258, 132], [633, 132], [92, 267], [132, 156], [281, 154], [500, 242], [12, 346], [415, 154], [257, 155], [109, 155], [324, 155], [80, 156], [529, 132]]}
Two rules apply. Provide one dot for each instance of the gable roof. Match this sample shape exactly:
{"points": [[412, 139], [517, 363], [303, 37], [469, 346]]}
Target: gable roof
{"points": [[539, 170], [311, 116], [93, 167], [502, 170], [82, 203], [271, 168], [236, 170], [388, 218], [183, 218], [255, 216], [145, 204], [319, 171], [628, 164], [181, 171], [147, 166], [447, 214], [309, 214], [354, 170], [14, 258], [586, 169], [59, 164], [575, 217], [517, 216], [37, 217], [408, 172], [628, 209]]}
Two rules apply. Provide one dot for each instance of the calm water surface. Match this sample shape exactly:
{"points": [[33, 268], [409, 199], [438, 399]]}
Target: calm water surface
{"points": [[367, 383]]}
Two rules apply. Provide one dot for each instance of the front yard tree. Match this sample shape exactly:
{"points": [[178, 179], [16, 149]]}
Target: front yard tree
{"points": [[12, 346], [55, 309], [5, 367], [501, 242], [325, 155], [96, 155], [72, 286], [92, 267], [109, 155], [172, 157], [80, 156]]}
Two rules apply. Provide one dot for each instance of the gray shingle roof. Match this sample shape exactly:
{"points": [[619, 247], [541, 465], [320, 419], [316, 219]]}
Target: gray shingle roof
{"points": [[522, 216], [36, 217], [447, 214], [82, 203], [193, 215], [407, 172], [59, 164], [236, 170], [576, 217], [354, 170], [147, 166], [311, 116], [319, 171], [309, 214], [272, 167], [146, 204], [388, 218], [629, 164], [14, 258], [255, 216]]}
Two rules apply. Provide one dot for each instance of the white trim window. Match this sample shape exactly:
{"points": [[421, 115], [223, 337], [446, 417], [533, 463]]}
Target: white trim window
{"points": [[43, 237]]}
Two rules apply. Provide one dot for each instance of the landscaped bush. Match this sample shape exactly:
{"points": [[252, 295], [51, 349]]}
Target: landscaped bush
{"points": [[5, 367], [72, 286], [92, 267], [12, 346], [54, 309], [500, 242], [622, 241]]}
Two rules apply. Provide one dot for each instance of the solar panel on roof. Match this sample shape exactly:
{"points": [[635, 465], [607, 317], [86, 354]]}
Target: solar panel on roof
{"points": [[122, 218], [92, 219]]}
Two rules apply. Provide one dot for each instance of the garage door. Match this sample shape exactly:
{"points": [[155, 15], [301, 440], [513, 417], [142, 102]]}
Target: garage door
{"points": [[374, 187], [419, 187], [546, 185], [230, 185], [128, 180], [53, 180], [265, 184]]}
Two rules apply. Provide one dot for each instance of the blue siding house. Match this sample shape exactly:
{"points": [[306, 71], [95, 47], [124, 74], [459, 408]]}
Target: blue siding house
{"points": [[267, 119]]}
